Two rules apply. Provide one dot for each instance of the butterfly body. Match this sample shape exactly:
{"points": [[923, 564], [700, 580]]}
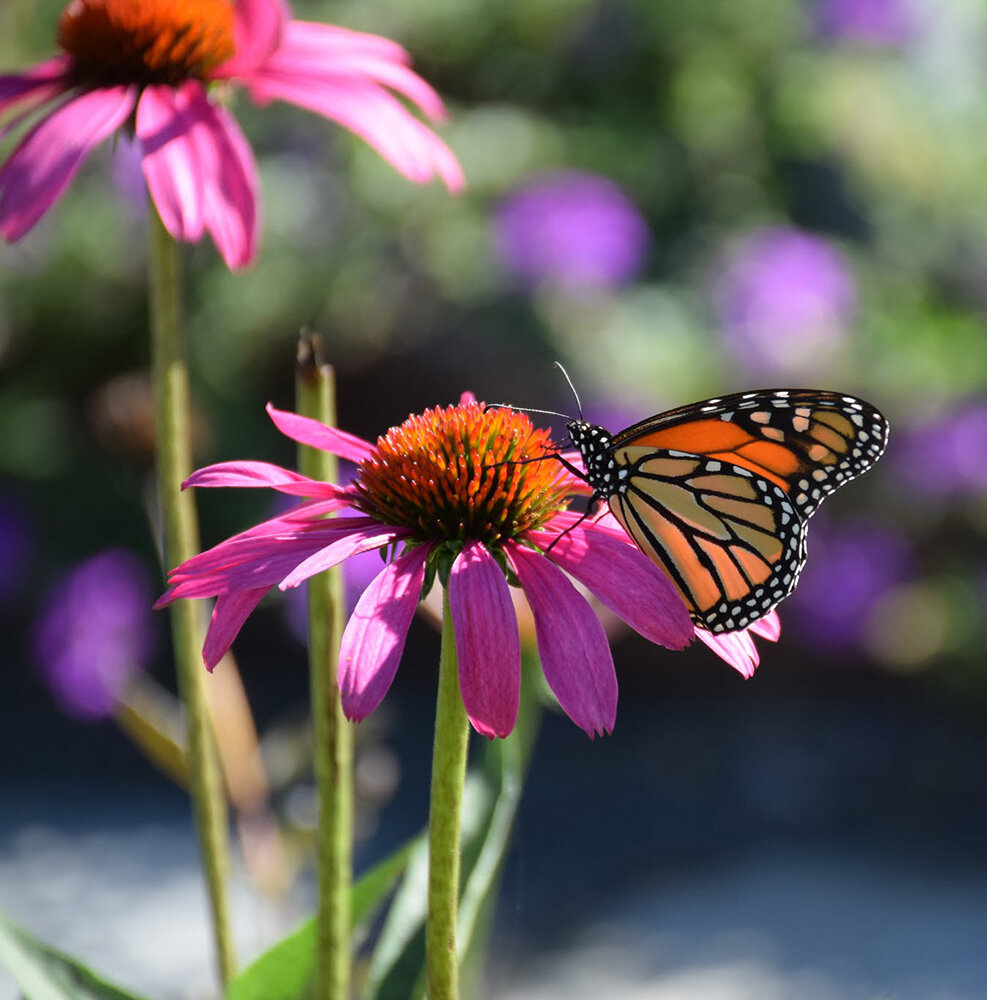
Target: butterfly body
{"points": [[718, 493]]}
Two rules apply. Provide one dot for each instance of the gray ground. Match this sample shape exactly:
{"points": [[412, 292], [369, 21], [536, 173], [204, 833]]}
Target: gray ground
{"points": [[806, 924]]}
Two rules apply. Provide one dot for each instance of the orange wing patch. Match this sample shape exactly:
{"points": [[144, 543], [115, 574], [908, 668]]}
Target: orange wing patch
{"points": [[700, 437], [732, 584]]}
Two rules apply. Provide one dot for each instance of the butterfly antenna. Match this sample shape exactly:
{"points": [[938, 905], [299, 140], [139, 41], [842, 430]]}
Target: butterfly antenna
{"points": [[527, 409], [579, 406]]}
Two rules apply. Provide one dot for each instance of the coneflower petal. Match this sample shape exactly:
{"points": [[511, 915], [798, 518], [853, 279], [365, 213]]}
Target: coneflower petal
{"points": [[572, 645], [624, 580], [374, 637], [49, 156], [488, 648]]}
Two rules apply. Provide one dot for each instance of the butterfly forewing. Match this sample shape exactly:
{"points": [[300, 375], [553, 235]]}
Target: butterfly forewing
{"points": [[807, 441]]}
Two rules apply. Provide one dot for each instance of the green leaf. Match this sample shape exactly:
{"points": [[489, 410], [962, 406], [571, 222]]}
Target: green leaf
{"points": [[43, 973], [483, 878], [400, 949], [371, 888], [285, 971]]}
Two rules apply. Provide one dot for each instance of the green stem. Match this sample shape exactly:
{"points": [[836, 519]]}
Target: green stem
{"points": [[333, 735], [180, 542], [448, 775]]}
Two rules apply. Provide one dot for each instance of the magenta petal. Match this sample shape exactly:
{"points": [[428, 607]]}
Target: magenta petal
{"points": [[247, 474], [373, 114], [229, 178], [625, 580], [49, 156], [228, 616], [488, 649], [735, 648], [305, 430], [38, 84], [309, 40], [171, 164], [258, 29], [768, 627], [572, 645], [352, 544], [320, 52], [374, 637], [265, 555]]}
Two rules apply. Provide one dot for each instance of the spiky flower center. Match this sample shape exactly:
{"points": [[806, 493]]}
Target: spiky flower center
{"points": [[146, 41], [457, 474]]}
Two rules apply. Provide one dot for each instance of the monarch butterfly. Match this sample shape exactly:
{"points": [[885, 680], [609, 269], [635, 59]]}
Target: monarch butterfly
{"points": [[718, 493]]}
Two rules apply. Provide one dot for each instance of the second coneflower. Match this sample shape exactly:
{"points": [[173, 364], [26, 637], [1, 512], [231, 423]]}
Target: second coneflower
{"points": [[152, 67], [465, 494]]}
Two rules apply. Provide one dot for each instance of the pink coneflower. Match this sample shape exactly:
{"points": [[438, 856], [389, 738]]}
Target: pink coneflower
{"points": [[148, 67], [447, 494]]}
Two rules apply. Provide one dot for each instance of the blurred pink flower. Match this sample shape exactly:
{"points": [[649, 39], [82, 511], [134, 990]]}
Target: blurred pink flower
{"points": [[451, 487], [148, 68]]}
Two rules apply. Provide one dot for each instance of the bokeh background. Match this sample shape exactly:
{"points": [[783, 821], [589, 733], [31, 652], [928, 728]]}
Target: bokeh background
{"points": [[676, 200]]}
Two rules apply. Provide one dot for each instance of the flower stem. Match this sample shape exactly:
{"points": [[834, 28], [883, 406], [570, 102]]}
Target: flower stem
{"points": [[333, 735], [180, 542], [448, 776]]}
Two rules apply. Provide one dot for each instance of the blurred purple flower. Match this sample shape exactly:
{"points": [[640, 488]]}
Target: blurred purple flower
{"points": [[851, 566], [16, 543], [94, 630], [871, 22], [572, 229], [784, 299], [127, 173], [948, 456]]}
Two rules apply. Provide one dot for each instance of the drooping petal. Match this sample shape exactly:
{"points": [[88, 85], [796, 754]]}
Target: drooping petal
{"points": [[229, 179], [258, 28], [228, 616], [321, 52], [768, 627], [36, 85], [735, 648], [572, 645], [625, 580], [488, 648], [374, 637], [49, 156], [264, 474], [311, 39], [352, 544], [171, 163], [373, 114], [305, 430], [264, 558]]}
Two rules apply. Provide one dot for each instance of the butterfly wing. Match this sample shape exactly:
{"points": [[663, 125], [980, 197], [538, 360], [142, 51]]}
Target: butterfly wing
{"points": [[808, 442], [732, 541]]}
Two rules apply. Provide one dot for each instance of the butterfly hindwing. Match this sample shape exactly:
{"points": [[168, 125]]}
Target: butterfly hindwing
{"points": [[732, 542]]}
